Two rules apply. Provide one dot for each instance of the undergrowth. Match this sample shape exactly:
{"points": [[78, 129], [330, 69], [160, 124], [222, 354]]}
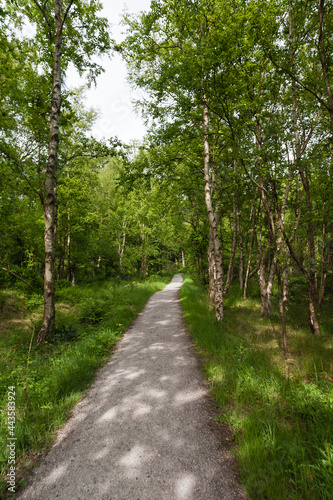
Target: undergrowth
{"points": [[51, 378], [280, 411]]}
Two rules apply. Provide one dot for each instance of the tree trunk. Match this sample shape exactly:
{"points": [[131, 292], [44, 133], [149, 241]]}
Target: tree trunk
{"points": [[253, 240], [144, 260], [50, 186], [270, 283], [323, 59], [241, 260], [121, 247], [285, 274], [311, 274], [68, 247], [323, 270], [213, 222], [211, 269], [282, 311], [265, 291], [234, 237], [313, 321]]}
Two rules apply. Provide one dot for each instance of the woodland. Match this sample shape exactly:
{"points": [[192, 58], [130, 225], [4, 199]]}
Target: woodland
{"points": [[232, 186]]}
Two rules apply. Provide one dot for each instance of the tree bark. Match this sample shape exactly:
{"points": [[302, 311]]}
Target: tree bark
{"points": [[311, 274], [265, 290], [323, 271], [323, 59], [230, 272], [144, 260], [211, 269], [213, 221], [183, 259], [282, 311], [68, 246], [241, 256], [50, 186], [121, 246], [285, 278], [253, 239]]}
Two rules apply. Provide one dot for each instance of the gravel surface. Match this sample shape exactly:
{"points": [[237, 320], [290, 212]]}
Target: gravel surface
{"points": [[144, 430]]}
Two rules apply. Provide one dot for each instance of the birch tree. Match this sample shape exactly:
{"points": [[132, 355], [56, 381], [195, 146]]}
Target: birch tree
{"points": [[65, 32]]}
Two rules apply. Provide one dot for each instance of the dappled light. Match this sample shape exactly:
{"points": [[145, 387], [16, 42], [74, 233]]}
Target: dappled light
{"points": [[143, 430], [185, 487]]}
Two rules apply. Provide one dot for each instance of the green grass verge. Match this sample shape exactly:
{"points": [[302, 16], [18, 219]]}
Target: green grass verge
{"points": [[280, 412], [50, 379]]}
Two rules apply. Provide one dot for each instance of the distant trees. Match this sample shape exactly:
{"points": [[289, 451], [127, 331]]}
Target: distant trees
{"points": [[239, 95]]}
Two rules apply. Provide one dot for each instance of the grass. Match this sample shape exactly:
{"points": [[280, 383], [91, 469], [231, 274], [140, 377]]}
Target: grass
{"points": [[51, 378], [280, 411]]}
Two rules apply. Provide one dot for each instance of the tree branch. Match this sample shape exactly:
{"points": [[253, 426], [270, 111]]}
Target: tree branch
{"points": [[66, 13], [42, 9], [293, 255], [300, 83], [18, 277], [251, 178]]}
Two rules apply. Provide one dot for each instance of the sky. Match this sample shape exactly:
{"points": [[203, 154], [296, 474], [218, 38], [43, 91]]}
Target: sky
{"points": [[113, 95]]}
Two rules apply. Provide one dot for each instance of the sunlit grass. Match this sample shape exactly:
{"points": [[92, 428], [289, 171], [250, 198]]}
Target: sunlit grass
{"points": [[280, 410], [52, 378]]}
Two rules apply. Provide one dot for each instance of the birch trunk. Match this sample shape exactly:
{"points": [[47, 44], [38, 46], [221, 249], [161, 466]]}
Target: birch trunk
{"points": [[282, 308], [213, 222], [265, 309], [241, 259], [311, 274], [144, 259], [323, 271], [68, 246], [211, 269], [183, 258], [234, 237], [50, 186], [323, 59], [285, 275], [253, 240], [121, 246]]}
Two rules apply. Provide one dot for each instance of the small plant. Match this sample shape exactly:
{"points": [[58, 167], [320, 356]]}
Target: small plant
{"points": [[34, 301]]}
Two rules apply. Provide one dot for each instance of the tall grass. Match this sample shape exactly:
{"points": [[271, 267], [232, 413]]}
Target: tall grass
{"points": [[51, 378], [280, 411]]}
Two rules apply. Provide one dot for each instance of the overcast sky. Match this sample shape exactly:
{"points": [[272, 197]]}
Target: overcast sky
{"points": [[113, 95]]}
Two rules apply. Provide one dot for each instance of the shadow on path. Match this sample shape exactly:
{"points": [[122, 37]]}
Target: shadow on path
{"points": [[143, 430]]}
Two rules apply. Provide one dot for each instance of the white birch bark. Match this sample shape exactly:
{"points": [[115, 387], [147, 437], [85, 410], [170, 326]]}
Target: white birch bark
{"points": [[213, 220], [50, 186]]}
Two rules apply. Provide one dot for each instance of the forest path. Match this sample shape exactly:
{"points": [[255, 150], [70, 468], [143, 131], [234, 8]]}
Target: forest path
{"points": [[144, 429]]}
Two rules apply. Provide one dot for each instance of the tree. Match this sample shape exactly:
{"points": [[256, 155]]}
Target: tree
{"points": [[66, 33], [234, 92]]}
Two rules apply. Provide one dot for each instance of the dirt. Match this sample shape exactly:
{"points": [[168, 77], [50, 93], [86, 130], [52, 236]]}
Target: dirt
{"points": [[145, 429]]}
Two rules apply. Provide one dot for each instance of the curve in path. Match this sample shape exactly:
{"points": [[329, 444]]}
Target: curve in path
{"points": [[143, 430]]}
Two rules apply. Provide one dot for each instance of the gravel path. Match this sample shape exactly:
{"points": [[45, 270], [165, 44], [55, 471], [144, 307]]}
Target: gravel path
{"points": [[144, 429]]}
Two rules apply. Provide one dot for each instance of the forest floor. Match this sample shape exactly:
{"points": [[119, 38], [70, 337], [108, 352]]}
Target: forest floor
{"points": [[280, 409], [146, 428]]}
